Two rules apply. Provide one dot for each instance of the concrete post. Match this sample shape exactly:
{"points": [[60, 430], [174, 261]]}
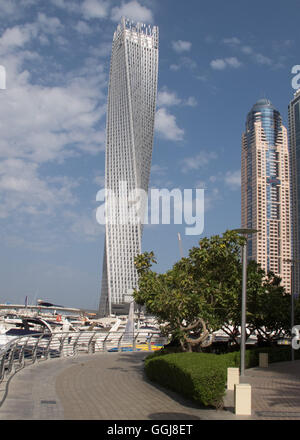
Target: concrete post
{"points": [[233, 377], [242, 399], [263, 360]]}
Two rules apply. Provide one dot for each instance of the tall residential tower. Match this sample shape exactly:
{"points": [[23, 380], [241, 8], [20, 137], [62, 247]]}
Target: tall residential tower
{"points": [[129, 141], [266, 190], [294, 145]]}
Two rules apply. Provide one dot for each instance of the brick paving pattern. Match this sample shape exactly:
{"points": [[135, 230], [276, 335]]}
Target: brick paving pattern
{"points": [[112, 386], [276, 391]]}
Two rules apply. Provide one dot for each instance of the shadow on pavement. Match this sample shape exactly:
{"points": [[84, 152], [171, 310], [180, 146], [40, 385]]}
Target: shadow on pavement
{"points": [[172, 416], [137, 360], [287, 395], [134, 358]]}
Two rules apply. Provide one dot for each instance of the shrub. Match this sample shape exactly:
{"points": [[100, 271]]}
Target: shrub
{"points": [[276, 354], [202, 376], [198, 376]]}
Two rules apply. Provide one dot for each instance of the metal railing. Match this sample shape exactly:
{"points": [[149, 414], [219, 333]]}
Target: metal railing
{"points": [[27, 350]]}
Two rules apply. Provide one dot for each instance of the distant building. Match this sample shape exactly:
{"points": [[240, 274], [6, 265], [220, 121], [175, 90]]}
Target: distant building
{"points": [[129, 141], [265, 175], [294, 145]]}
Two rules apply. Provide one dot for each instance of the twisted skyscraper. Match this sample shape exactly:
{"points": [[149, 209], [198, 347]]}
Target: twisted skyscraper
{"points": [[129, 142]]}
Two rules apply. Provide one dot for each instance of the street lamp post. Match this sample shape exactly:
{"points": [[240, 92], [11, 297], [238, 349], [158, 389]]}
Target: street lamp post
{"points": [[244, 232], [244, 306]]}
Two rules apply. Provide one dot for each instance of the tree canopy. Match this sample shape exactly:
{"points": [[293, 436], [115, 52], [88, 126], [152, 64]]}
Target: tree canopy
{"points": [[202, 293]]}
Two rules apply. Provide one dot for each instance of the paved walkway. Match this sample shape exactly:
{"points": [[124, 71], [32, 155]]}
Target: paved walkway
{"points": [[112, 386], [275, 391]]}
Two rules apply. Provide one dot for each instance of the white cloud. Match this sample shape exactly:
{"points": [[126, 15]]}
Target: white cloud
{"points": [[82, 27], [218, 64], [19, 36], [247, 50], [191, 102], [16, 37], [223, 63], [41, 125], [202, 78], [8, 7], [72, 7], [64, 4], [167, 98], [50, 25], [175, 67], [101, 50], [211, 195], [233, 179], [158, 169], [24, 191], [84, 226], [202, 159], [94, 9], [185, 62], [13, 9], [256, 56], [262, 59], [231, 41], [166, 125], [48, 120], [181, 46], [59, 3], [99, 180], [233, 62], [132, 10]]}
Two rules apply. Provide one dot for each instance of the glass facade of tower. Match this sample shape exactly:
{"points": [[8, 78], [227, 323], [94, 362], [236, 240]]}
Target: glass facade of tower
{"points": [[294, 145], [266, 189], [129, 141]]}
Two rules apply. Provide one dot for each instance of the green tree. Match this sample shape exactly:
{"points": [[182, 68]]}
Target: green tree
{"points": [[268, 305], [198, 294], [202, 293], [297, 310]]}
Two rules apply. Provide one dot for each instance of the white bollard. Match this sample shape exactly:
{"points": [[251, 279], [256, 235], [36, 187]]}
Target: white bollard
{"points": [[233, 377], [263, 360], [242, 399]]}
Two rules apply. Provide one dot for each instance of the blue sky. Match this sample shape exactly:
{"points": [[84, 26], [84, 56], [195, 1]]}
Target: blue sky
{"points": [[217, 59]]}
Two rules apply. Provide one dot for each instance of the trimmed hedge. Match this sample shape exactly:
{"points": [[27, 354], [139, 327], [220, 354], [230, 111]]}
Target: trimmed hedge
{"points": [[199, 376], [202, 376], [276, 354]]}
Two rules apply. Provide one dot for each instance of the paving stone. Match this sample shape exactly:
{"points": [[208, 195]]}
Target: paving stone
{"points": [[113, 386]]}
